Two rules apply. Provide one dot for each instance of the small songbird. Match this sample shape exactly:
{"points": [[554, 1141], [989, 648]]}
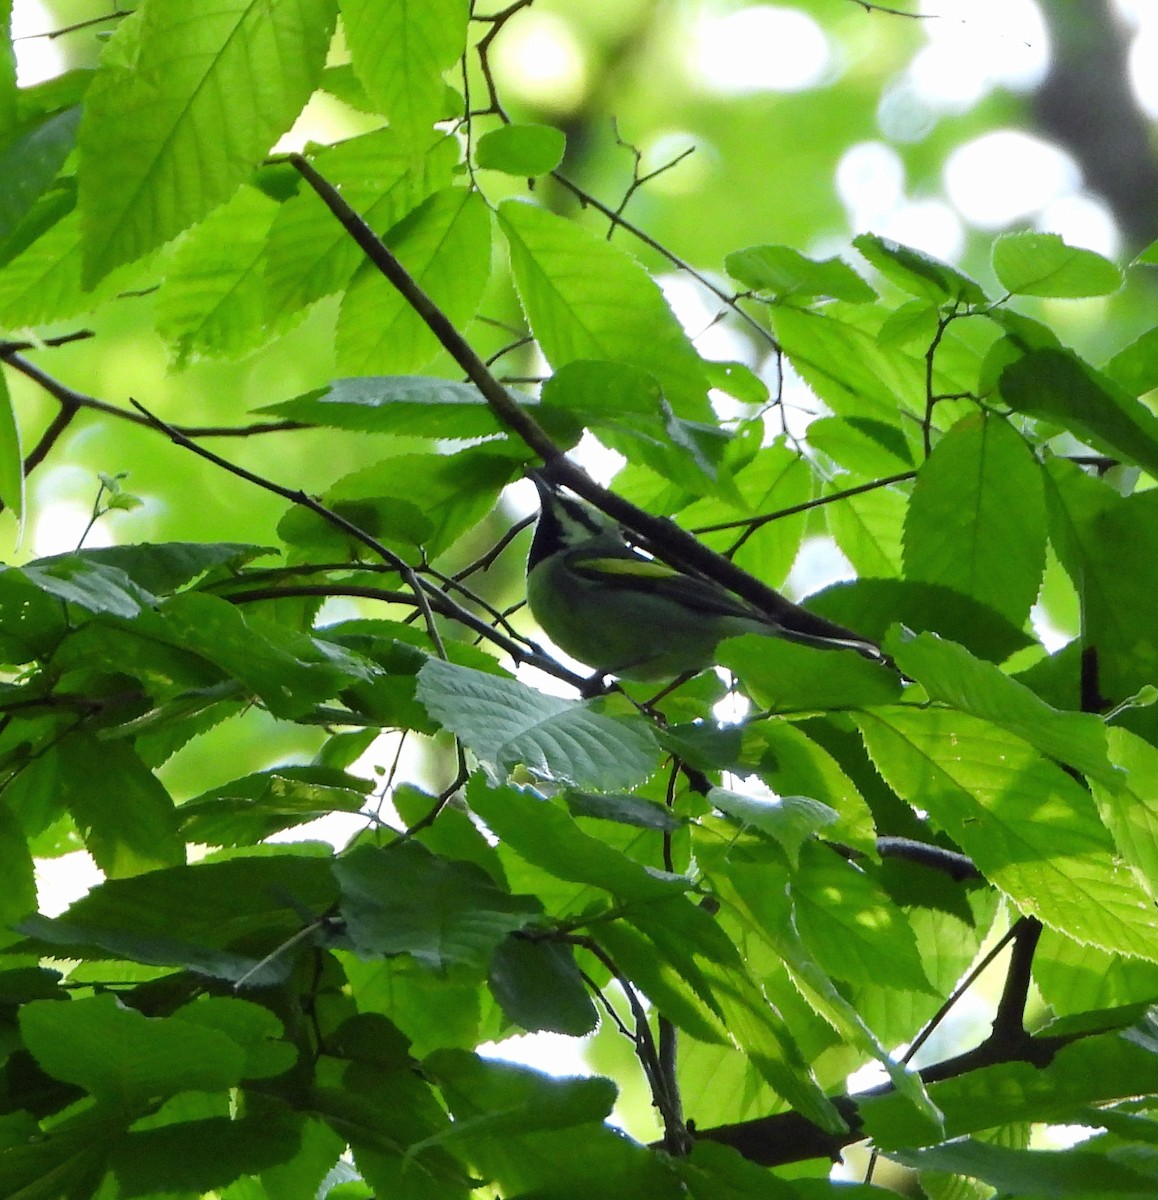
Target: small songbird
{"points": [[622, 613]]}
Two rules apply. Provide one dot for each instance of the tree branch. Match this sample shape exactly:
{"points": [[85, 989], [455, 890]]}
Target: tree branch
{"points": [[297, 496], [438, 601], [664, 538], [788, 1137], [70, 398]]}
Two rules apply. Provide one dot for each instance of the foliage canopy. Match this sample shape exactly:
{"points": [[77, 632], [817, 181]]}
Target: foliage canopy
{"points": [[312, 612]]}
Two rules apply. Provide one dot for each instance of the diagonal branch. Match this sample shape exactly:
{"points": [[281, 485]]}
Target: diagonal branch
{"points": [[664, 538], [297, 496], [69, 398]]}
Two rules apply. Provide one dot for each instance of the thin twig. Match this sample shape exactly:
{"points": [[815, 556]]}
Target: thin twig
{"points": [[52, 34], [670, 543], [586, 198], [438, 600], [501, 402], [68, 396], [638, 180], [485, 561], [444, 798], [61, 339], [871, 7], [751, 524], [297, 496], [496, 22], [676, 1137]]}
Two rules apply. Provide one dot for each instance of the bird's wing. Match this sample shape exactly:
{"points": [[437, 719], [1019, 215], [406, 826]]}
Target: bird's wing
{"points": [[631, 570]]}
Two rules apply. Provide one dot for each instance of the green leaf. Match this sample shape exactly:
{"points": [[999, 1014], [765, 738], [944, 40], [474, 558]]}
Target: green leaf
{"points": [[627, 409], [453, 835], [1093, 1071], [848, 368], [669, 975], [869, 529], [1041, 264], [873, 606], [544, 835], [43, 282], [11, 458], [1045, 1174], [794, 764], [410, 501], [203, 1155], [250, 809], [30, 164], [915, 321], [163, 567], [383, 177], [8, 90], [445, 245], [94, 586], [191, 917], [592, 1160], [495, 1099], [1057, 386], [418, 405], [213, 301], [785, 677], [18, 896], [36, 1167], [918, 273], [1024, 822], [865, 446], [587, 299], [1135, 367], [525, 150], [752, 886], [716, 1172], [951, 675], [124, 814], [117, 1053], [624, 808], [400, 50], [300, 1178], [1076, 979], [776, 479], [789, 820], [49, 211], [507, 724], [183, 108], [850, 924], [1096, 531], [784, 273], [405, 900], [738, 380], [1128, 804], [291, 672], [958, 532], [538, 986], [254, 1028]]}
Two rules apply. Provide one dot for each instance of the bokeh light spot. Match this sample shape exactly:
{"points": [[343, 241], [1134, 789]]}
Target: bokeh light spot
{"points": [[1006, 176], [761, 48]]}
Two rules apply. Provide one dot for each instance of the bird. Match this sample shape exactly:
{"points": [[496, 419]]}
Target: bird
{"points": [[622, 613]]}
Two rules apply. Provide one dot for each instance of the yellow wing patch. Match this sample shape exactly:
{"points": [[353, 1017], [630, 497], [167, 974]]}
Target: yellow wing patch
{"points": [[628, 568]]}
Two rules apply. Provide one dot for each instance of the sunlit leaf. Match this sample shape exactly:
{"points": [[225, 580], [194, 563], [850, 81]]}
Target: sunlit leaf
{"points": [[215, 87], [587, 299], [525, 150], [507, 724], [1041, 264]]}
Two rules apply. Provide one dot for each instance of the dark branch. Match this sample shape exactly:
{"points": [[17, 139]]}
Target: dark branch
{"points": [[67, 396], [670, 543]]}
